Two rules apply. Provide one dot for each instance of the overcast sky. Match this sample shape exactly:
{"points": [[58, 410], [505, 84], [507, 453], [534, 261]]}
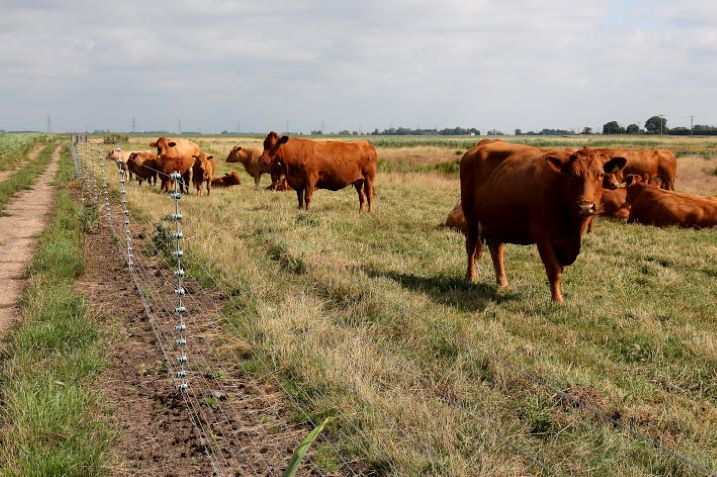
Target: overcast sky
{"points": [[527, 64]]}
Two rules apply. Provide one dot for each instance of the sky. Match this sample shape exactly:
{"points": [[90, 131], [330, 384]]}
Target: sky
{"points": [[216, 64]]}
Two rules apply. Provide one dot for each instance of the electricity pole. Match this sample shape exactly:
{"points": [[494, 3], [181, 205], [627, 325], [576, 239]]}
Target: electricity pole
{"points": [[692, 125], [134, 124], [49, 123]]}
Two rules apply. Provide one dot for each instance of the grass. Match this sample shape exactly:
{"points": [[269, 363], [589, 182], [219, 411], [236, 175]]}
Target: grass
{"points": [[25, 177], [368, 318], [49, 361], [14, 147]]}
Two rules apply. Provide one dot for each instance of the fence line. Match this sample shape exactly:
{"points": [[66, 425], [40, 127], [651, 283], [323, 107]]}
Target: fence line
{"points": [[141, 279]]}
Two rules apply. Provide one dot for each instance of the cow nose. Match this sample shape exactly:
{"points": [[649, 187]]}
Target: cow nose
{"points": [[586, 208]]}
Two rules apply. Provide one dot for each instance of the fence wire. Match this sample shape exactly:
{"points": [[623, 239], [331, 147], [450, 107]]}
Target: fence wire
{"points": [[196, 389]]}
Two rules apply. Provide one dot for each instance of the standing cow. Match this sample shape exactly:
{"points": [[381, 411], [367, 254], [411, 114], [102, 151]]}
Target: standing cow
{"points": [[144, 166], [203, 171], [513, 194], [310, 165], [175, 155]]}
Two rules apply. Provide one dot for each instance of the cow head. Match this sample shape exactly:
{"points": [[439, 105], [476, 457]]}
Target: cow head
{"points": [[634, 185], [272, 144], [583, 174], [237, 154], [200, 162], [163, 145]]}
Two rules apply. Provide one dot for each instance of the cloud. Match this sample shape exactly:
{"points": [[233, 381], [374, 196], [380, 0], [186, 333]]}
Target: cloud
{"points": [[527, 64]]}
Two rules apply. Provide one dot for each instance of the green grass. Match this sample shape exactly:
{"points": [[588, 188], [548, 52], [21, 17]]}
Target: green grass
{"points": [[48, 406], [368, 318], [14, 147], [25, 177]]}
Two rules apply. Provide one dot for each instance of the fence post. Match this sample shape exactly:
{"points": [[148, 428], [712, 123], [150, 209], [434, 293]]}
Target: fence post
{"points": [[181, 327], [105, 190], [125, 211]]}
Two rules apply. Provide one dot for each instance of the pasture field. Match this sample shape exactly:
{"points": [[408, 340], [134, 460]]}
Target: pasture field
{"points": [[14, 146], [368, 318]]}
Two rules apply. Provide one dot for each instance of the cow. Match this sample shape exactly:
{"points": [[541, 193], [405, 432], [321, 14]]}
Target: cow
{"points": [[203, 171], [144, 166], [310, 165], [229, 179], [522, 195], [456, 220], [653, 206], [655, 166], [250, 158], [175, 155], [119, 155], [614, 203]]}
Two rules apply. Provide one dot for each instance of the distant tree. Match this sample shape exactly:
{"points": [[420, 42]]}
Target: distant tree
{"points": [[633, 129], [656, 125], [612, 128], [518, 132], [495, 132], [587, 130]]}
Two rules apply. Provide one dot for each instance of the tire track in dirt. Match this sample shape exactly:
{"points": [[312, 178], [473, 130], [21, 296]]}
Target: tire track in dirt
{"points": [[23, 219]]}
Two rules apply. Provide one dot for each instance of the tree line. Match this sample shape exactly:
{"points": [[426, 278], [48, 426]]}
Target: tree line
{"points": [[658, 125]]}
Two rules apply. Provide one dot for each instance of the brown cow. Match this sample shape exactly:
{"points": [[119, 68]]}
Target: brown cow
{"points": [[203, 171], [144, 166], [655, 166], [229, 179], [332, 165], [250, 158], [516, 195], [175, 155], [653, 206], [614, 204], [456, 220], [118, 154]]}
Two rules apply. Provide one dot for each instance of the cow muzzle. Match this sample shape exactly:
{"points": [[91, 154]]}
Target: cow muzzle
{"points": [[585, 209]]}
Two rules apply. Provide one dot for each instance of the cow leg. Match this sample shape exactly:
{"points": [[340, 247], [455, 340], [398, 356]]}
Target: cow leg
{"points": [[474, 247], [497, 250], [300, 196], [209, 187], [359, 185], [185, 181], [308, 192], [553, 268], [368, 191], [257, 179], [590, 224]]}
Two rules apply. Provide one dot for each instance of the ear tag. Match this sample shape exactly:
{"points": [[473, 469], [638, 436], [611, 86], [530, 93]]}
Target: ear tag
{"points": [[615, 169]]}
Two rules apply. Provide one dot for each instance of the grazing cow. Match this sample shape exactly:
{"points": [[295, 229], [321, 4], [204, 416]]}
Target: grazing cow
{"points": [[250, 158], [310, 165], [203, 171], [115, 155], [456, 220], [175, 155], [653, 206], [515, 194], [229, 179], [144, 166], [655, 166]]}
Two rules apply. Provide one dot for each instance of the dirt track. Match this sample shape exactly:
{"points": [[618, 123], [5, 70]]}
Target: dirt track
{"points": [[24, 218]]}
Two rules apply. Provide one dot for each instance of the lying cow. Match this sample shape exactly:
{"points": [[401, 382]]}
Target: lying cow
{"points": [[523, 195], [655, 166], [310, 165], [614, 204], [203, 171], [175, 155], [456, 220], [144, 166], [229, 179], [653, 206]]}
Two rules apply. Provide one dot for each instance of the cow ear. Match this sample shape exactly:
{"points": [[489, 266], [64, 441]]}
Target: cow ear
{"points": [[152, 144], [210, 158], [283, 139], [555, 163], [172, 144], [614, 165], [632, 179]]}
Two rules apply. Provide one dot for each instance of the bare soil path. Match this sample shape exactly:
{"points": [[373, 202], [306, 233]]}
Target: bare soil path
{"points": [[24, 218]]}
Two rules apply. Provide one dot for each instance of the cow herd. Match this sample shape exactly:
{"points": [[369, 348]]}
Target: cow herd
{"points": [[510, 193]]}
